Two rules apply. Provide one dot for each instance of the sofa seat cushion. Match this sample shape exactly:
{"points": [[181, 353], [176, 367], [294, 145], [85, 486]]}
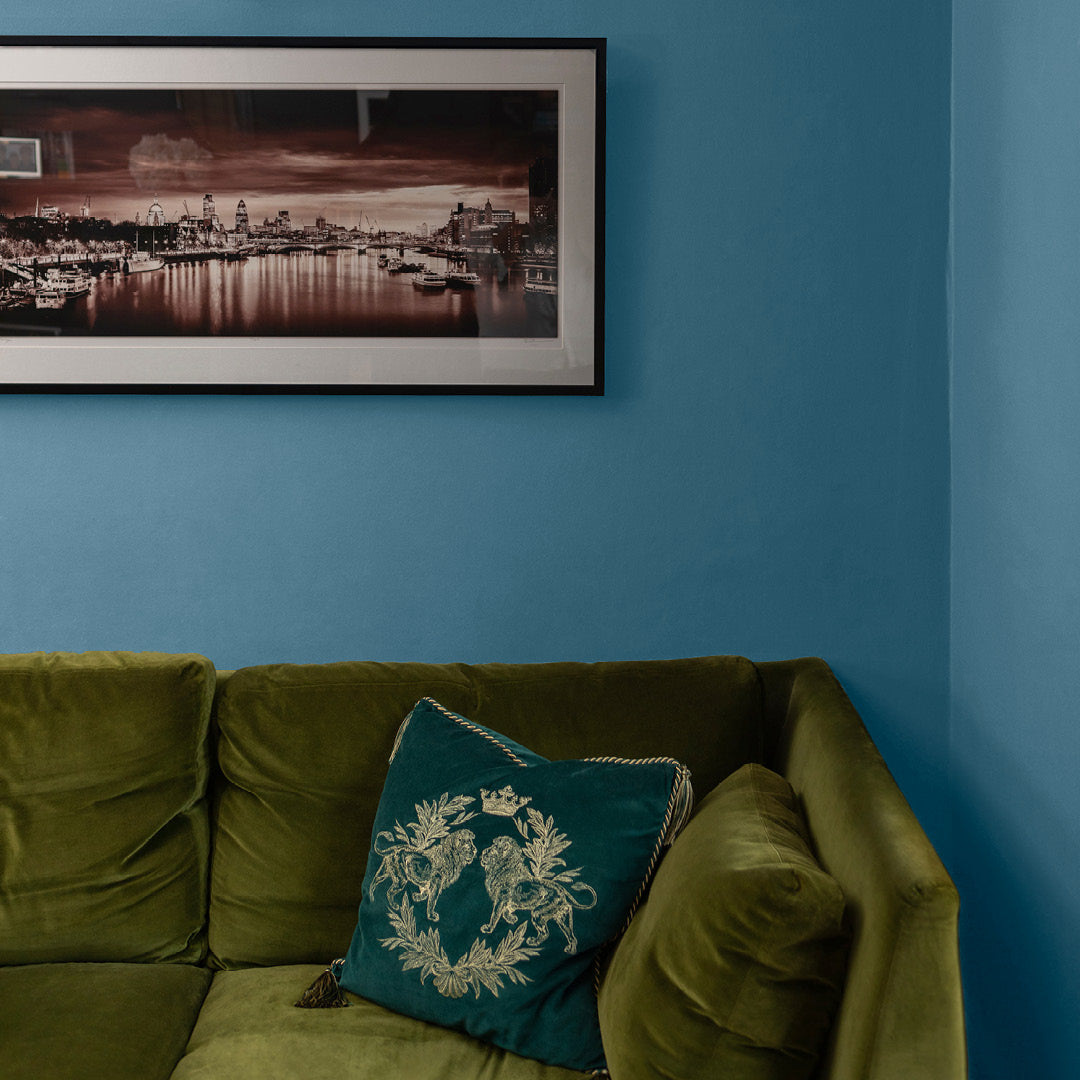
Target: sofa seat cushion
{"points": [[735, 964], [103, 815], [249, 1030], [97, 1021]]}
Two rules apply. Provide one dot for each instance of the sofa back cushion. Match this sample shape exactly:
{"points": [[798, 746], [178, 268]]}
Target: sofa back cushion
{"points": [[304, 752], [705, 711], [104, 838]]}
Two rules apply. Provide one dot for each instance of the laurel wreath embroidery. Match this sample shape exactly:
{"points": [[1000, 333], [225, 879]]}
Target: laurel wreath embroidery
{"points": [[431, 823], [479, 967], [425, 857], [542, 850]]}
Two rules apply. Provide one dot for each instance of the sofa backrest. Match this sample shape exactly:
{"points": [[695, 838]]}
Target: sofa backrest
{"points": [[303, 752], [104, 838]]}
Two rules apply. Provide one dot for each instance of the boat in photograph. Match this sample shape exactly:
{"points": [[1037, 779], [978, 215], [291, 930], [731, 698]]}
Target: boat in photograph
{"points": [[72, 282], [52, 299], [21, 294], [399, 266], [139, 262], [462, 279], [429, 279], [542, 278]]}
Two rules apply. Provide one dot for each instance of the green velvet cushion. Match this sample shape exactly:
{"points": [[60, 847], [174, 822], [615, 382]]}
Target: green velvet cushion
{"points": [[303, 751], [103, 825], [496, 876], [734, 965], [705, 711], [97, 1021], [249, 1030]]}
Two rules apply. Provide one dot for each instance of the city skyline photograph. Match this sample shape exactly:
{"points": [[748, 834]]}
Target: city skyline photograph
{"points": [[439, 207]]}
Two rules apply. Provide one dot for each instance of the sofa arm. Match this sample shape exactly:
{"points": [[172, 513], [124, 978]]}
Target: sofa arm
{"points": [[901, 1015]]}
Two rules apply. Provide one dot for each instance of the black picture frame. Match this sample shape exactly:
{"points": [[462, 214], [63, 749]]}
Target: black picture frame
{"points": [[398, 139]]}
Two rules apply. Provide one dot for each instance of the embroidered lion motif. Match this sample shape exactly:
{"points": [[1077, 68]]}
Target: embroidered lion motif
{"points": [[429, 870], [513, 888]]}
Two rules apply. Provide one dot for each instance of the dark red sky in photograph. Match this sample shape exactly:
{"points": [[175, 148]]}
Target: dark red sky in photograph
{"points": [[399, 158]]}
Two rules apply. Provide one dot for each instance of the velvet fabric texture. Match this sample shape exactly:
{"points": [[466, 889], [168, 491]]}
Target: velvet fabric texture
{"points": [[249, 1028], [496, 876], [103, 855], [97, 1021], [704, 711], [734, 966], [303, 752], [104, 839], [902, 1011]]}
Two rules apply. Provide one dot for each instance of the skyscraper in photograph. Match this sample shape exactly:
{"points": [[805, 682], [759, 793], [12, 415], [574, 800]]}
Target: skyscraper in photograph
{"points": [[544, 194]]}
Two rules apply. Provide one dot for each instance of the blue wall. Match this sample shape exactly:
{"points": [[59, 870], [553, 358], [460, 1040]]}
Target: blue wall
{"points": [[767, 474], [1016, 530]]}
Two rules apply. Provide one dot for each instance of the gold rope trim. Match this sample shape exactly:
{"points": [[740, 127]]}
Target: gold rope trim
{"points": [[477, 730], [679, 805]]}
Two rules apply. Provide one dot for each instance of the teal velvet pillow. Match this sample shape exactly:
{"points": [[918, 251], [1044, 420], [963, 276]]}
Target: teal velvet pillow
{"points": [[495, 879]]}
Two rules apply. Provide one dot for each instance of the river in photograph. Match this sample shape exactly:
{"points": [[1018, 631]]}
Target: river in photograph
{"points": [[340, 293]]}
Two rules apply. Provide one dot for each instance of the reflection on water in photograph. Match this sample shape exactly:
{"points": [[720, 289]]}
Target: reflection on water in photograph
{"points": [[338, 293]]}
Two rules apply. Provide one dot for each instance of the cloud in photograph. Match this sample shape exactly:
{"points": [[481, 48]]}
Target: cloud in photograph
{"points": [[158, 162]]}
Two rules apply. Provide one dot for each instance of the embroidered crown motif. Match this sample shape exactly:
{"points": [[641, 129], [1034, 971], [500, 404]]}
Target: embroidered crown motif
{"points": [[503, 803]]}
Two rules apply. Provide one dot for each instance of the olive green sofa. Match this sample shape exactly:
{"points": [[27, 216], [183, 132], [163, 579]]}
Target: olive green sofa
{"points": [[182, 850]]}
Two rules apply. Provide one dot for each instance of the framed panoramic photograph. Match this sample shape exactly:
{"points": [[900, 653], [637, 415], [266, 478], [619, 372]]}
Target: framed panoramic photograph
{"points": [[302, 216]]}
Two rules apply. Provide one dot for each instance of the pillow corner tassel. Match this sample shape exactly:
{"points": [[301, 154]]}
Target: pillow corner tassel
{"points": [[681, 804], [325, 992]]}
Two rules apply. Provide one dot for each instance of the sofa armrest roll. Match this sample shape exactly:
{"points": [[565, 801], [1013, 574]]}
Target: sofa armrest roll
{"points": [[901, 1015]]}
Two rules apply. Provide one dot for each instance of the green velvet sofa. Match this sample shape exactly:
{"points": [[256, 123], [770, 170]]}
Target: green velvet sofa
{"points": [[182, 851]]}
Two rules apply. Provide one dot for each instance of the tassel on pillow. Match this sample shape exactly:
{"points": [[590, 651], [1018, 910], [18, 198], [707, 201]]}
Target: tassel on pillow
{"points": [[325, 992]]}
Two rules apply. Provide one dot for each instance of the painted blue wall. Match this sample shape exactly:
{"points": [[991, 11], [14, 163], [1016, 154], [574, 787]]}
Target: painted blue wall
{"points": [[768, 473], [1016, 530]]}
